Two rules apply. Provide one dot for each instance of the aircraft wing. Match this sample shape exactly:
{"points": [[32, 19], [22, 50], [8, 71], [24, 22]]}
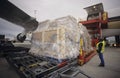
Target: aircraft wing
{"points": [[11, 13]]}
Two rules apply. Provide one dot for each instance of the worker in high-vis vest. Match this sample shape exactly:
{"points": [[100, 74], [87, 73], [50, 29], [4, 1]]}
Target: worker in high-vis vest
{"points": [[100, 49]]}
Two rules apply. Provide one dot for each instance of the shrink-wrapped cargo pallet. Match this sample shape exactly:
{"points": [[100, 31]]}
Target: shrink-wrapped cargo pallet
{"points": [[58, 39], [87, 46]]}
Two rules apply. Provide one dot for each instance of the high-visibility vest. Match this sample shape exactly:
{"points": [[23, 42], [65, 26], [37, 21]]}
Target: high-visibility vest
{"points": [[103, 46]]}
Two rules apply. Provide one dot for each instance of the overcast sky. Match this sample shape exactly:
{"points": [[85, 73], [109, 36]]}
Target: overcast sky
{"points": [[52, 9], [9, 29]]}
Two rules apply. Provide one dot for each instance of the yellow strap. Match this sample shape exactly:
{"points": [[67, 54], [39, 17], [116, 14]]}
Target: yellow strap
{"points": [[32, 65], [81, 44]]}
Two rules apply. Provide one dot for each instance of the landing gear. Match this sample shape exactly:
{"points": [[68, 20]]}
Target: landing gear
{"points": [[21, 37]]}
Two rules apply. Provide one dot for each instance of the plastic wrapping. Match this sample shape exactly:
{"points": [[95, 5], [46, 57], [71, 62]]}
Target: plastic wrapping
{"points": [[87, 46], [59, 38]]}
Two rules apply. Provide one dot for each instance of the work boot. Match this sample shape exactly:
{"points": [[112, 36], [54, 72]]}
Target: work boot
{"points": [[101, 65]]}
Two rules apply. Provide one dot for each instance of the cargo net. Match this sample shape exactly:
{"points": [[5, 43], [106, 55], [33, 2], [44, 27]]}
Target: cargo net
{"points": [[60, 39]]}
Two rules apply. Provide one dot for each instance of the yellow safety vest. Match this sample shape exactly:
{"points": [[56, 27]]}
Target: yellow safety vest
{"points": [[103, 46]]}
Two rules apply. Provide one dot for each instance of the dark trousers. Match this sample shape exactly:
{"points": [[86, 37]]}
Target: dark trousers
{"points": [[101, 58]]}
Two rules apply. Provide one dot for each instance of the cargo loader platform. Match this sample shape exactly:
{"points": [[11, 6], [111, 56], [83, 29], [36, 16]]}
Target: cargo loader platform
{"points": [[29, 66]]}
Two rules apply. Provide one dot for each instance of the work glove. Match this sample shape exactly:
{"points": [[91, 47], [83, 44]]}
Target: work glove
{"points": [[98, 51]]}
